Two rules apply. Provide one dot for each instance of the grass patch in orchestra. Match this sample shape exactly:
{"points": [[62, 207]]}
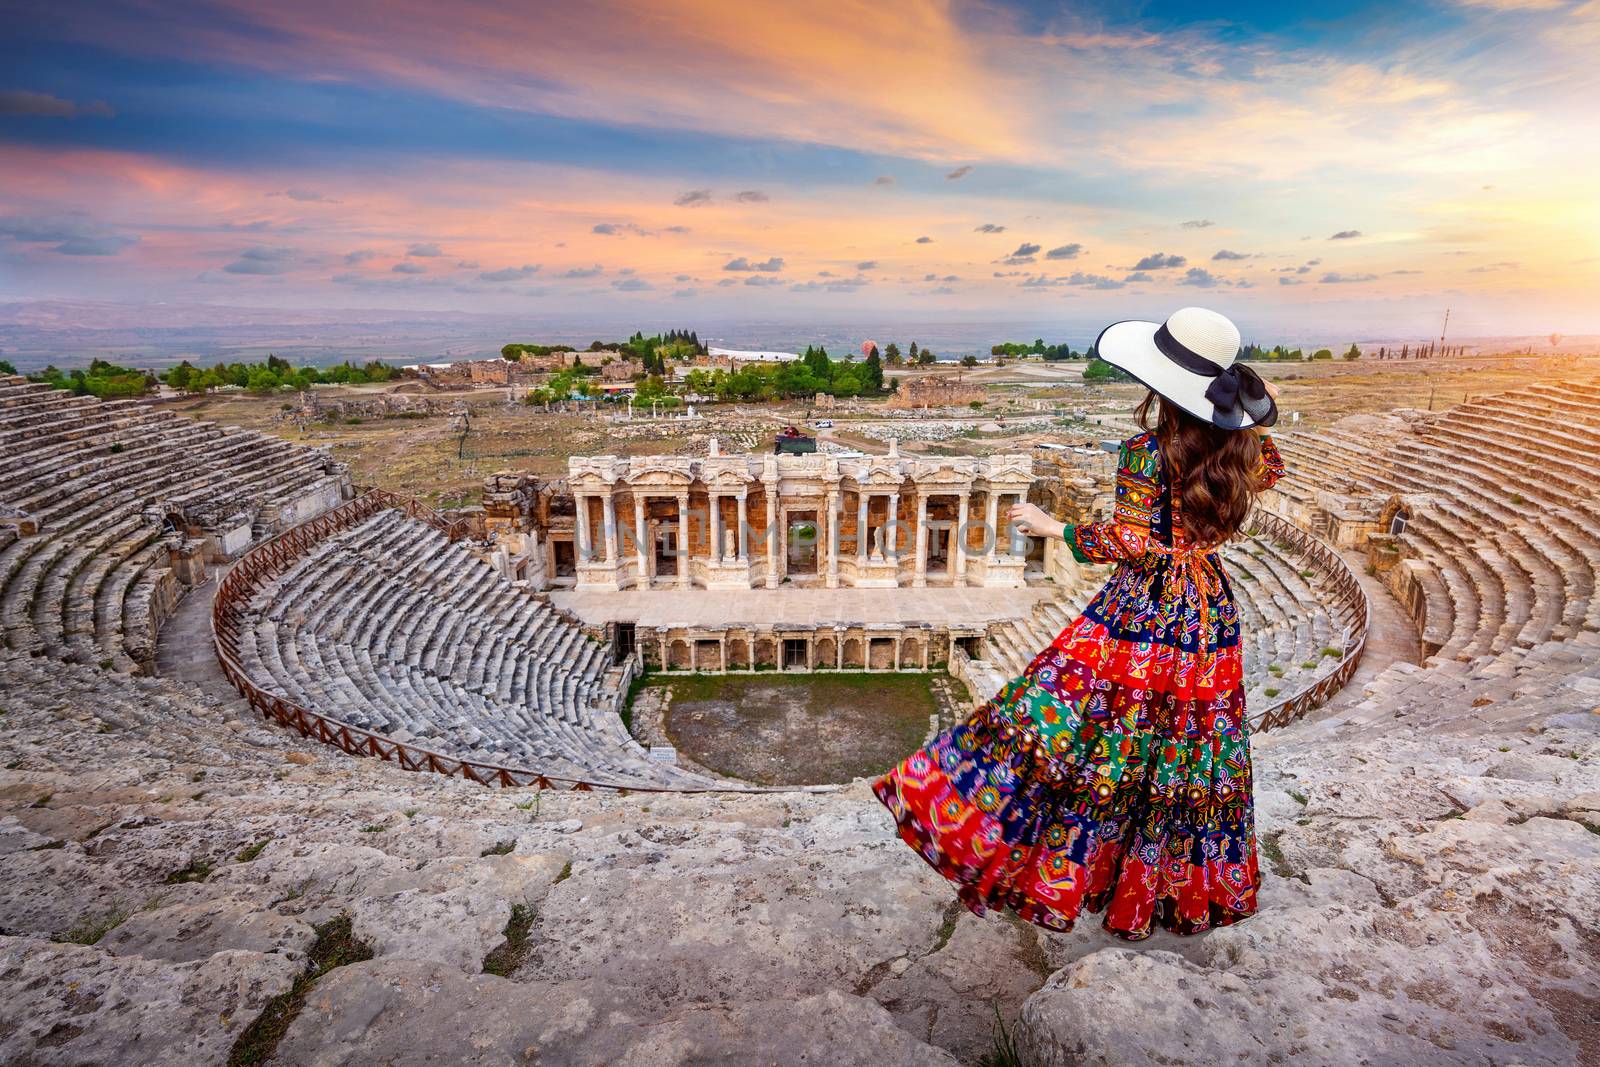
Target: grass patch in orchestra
{"points": [[798, 729]]}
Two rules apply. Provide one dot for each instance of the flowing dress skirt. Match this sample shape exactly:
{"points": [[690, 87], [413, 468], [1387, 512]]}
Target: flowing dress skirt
{"points": [[1113, 774]]}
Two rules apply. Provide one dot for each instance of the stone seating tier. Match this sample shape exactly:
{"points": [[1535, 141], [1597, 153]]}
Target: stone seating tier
{"points": [[391, 627], [97, 479], [1504, 501]]}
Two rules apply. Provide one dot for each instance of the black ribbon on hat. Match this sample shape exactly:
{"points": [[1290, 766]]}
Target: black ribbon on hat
{"points": [[1234, 392]]}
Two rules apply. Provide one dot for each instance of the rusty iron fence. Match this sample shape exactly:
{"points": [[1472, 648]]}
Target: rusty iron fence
{"points": [[270, 559], [1349, 600]]}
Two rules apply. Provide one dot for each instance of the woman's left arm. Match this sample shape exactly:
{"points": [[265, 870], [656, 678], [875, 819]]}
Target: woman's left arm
{"points": [[1271, 468]]}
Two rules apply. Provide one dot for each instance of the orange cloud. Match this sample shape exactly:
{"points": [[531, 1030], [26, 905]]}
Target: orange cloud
{"points": [[900, 78]]}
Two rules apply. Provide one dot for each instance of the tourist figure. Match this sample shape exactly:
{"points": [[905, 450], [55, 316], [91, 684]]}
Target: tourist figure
{"points": [[1114, 773]]}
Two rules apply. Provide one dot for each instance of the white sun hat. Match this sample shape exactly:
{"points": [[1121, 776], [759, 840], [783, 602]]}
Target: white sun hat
{"points": [[1190, 360]]}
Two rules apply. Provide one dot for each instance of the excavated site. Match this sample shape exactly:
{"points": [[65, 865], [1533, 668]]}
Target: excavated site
{"points": [[298, 772]]}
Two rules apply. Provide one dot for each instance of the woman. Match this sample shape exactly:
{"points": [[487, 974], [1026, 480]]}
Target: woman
{"points": [[1114, 774]]}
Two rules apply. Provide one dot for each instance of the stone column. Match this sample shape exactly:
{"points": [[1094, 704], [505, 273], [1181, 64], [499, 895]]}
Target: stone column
{"points": [[580, 526], [641, 541], [683, 540], [611, 525], [833, 538], [774, 536], [959, 576], [919, 574], [714, 527], [891, 545], [744, 536], [992, 517], [861, 528]]}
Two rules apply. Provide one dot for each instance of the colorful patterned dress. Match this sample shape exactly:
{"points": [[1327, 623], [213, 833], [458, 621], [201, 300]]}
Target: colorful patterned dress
{"points": [[1114, 774]]}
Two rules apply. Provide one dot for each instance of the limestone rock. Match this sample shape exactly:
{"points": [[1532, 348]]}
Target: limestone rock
{"points": [[457, 927], [411, 1012], [73, 1005], [184, 932]]}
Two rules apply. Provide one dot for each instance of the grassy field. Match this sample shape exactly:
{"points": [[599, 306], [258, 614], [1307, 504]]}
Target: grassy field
{"points": [[790, 729]]}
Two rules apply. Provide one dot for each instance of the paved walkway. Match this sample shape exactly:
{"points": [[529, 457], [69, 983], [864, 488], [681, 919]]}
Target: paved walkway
{"points": [[1391, 638], [799, 608], [184, 649]]}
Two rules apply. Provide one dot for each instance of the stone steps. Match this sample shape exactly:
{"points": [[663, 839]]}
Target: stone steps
{"points": [[391, 627]]}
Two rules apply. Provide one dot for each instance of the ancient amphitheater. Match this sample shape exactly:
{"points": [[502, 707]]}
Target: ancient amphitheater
{"points": [[311, 774]]}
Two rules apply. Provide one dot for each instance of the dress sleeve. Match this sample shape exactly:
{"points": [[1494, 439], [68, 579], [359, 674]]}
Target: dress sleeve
{"points": [[1271, 463], [1128, 532]]}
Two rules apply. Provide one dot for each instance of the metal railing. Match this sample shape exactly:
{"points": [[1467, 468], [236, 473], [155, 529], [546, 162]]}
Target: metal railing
{"points": [[270, 559], [1348, 596]]}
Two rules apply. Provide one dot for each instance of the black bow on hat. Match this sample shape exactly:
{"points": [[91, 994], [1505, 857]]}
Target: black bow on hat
{"points": [[1234, 392], [1240, 387]]}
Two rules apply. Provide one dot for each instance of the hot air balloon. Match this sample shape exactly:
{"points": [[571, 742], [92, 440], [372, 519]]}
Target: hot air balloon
{"points": [[1555, 339], [867, 348]]}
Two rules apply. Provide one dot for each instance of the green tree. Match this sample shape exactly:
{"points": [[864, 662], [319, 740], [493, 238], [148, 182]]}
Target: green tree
{"points": [[873, 381], [1099, 370], [180, 376], [6, 367], [262, 380], [1354, 353], [969, 360], [891, 354]]}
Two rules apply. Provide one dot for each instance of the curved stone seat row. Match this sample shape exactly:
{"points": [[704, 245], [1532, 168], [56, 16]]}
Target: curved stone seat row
{"points": [[1503, 496], [391, 627], [99, 498]]}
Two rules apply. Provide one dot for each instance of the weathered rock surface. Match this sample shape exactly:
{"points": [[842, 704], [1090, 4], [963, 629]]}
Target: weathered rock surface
{"points": [[72, 1004], [409, 1012], [1433, 868], [184, 932]]}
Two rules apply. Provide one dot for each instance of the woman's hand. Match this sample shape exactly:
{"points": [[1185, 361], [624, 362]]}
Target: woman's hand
{"points": [[1033, 521]]}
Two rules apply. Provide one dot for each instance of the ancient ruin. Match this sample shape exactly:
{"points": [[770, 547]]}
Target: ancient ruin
{"points": [[934, 391], [222, 660]]}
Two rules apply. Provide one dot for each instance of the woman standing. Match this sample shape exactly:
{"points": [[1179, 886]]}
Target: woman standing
{"points": [[1114, 774]]}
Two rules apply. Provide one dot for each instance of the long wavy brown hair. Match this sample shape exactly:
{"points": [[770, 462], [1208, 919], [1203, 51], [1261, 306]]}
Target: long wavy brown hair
{"points": [[1214, 473]]}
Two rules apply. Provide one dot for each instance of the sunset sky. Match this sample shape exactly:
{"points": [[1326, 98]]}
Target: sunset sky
{"points": [[1286, 162]]}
